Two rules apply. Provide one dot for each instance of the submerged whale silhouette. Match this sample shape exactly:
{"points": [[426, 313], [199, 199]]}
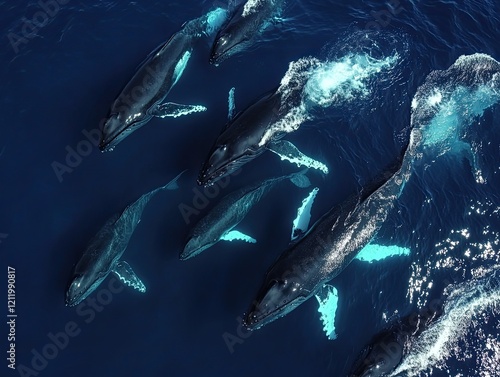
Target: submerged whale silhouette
{"points": [[220, 222], [247, 21], [104, 252]]}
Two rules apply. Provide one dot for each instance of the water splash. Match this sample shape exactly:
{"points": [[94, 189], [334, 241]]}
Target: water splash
{"points": [[346, 79], [460, 253], [311, 84], [213, 21], [450, 101], [458, 333], [251, 7]]}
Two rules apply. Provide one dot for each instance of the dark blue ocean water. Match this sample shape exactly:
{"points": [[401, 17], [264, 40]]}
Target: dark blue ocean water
{"points": [[61, 81]]}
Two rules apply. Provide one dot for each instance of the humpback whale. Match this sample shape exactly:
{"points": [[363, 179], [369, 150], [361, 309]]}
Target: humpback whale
{"points": [[219, 223], [240, 141], [247, 21], [247, 135], [386, 350], [382, 355], [142, 97], [329, 246], [104, 252]]}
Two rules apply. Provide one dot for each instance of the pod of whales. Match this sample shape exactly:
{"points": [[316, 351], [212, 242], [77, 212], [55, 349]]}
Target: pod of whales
{"points": [[331, 244], [348, 231]]}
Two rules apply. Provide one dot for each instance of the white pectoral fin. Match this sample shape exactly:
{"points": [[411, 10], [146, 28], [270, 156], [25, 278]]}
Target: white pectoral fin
{"points": [[125, 273], [328, 300], [235, 235], [289, 152], [231, 105], [175, 110], [374, 253], [301, 222]]}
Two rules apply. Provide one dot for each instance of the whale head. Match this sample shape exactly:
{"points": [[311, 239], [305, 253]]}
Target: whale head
{"points": [[219, 164], [81, 286], [380, 358], [117, 127], [276, 298], [194, 246], [225, 159], [227, 44]]}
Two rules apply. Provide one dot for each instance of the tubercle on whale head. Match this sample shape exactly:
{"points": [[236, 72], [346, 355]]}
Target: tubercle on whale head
{"points": [[192, 248], [118, 126], [379, 358], [217, 165], [110, 133], [225, 46], [83, 284], [227, 158], [217, 55], [75, 292], [275, 299]]}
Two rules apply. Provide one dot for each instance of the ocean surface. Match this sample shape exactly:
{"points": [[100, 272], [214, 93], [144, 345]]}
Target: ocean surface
{"points": [[373, 83]]}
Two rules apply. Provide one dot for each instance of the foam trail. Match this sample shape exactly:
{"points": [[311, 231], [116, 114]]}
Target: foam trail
{"points": [[450, 101], [464, 306], [250, 7], [310, 84], [213, 21], [346, 79]]}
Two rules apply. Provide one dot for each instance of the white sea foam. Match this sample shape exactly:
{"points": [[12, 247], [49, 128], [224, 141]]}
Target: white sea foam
{"points": [[449, 335], [450, 101], [213, 20], [459, 253], [251, 6], [310, 83], [346, 79]]}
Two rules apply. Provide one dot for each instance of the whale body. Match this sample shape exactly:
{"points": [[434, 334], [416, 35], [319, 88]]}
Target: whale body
{"points": [[387, 349], [104, 251], [240, 141], [328, 247], [246, 23], [142, 97], [219, 223]]}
